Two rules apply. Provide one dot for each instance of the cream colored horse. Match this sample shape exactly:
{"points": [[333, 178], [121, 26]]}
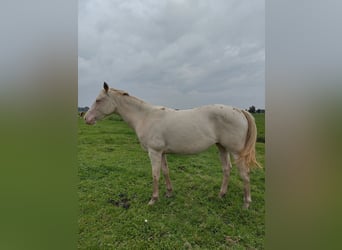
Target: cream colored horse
{"points": [[162, 130]]}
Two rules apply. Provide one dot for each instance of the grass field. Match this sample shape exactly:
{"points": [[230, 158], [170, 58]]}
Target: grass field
{"points": [[115, 185]]}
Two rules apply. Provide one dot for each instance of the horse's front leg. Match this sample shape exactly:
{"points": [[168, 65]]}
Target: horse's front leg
{"points": [[156, 161]]}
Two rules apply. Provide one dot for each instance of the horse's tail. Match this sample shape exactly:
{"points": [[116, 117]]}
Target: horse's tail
{"points": [[248, 152]]}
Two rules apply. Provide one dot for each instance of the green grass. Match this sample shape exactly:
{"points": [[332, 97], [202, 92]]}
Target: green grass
{"points": [[116, 185], [260, 122]]}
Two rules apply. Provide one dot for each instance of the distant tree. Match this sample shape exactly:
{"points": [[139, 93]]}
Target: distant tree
{"points": [[251, 109], [83, 109]]}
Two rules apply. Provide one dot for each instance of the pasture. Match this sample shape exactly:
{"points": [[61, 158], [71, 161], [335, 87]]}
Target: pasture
{"points": [[115, 185]]}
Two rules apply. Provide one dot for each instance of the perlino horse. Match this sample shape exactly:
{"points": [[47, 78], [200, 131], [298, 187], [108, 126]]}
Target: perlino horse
{"points": [[162, 130]]}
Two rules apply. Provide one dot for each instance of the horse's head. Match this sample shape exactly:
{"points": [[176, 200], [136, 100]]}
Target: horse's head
{"points": [[103, 106]]}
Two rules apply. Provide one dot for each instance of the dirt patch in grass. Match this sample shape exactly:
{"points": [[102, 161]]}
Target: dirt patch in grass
{"points": [[121, 201]]}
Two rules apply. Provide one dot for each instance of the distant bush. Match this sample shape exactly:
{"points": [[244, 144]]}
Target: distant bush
{"points": [[253, 110], [261, 139]]}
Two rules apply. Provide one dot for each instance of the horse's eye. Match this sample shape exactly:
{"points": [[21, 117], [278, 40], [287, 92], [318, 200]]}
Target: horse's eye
{"points": [[97, 101]]}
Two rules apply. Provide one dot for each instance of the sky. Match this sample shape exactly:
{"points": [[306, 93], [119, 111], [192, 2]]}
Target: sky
{"points": [[174, 53]]}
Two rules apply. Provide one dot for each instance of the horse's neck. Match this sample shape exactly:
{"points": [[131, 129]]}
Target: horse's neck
{"points": [[133, 110]]}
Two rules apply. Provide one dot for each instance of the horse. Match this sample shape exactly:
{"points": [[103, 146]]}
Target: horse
{"points": [[163, 130]]}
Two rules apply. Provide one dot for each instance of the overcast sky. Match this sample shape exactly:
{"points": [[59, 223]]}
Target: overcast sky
{"points": [[174, 53]]}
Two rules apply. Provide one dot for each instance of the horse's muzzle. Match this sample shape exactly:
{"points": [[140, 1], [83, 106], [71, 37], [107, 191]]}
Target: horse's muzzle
{"points": [[90, 120]]}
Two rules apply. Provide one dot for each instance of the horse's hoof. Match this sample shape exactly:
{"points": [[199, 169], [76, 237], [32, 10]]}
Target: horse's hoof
{"points": [[221, 195], [152, 201], [168, 194], [245, 206]]}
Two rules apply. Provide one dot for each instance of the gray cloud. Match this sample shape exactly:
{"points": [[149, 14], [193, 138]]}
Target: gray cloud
{"points": [[176, 53]]}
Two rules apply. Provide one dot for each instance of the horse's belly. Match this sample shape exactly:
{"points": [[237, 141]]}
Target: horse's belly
{"points": [[188, 143]]}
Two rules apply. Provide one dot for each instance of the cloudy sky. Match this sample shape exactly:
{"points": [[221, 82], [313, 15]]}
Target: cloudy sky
{"points": [[175, 53]]}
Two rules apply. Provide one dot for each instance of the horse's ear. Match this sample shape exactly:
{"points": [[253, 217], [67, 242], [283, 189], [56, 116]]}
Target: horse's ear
{"points": [[105, 86]]}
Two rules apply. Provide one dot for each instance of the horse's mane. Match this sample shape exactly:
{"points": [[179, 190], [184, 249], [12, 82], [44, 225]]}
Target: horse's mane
{"points": [[125, 93], [138, 101]]}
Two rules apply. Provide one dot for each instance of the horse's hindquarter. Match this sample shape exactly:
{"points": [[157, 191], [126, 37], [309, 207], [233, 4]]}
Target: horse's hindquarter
{"points": [[191, 131], [231, 127]]}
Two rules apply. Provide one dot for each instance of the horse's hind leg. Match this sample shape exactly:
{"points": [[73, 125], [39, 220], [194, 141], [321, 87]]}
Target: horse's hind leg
{"points": [[244, 174], [166, 176], [226, 167], [156, 161]]}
